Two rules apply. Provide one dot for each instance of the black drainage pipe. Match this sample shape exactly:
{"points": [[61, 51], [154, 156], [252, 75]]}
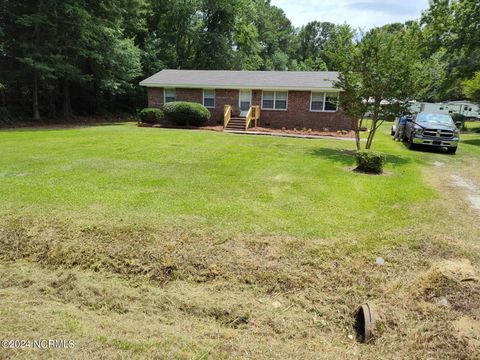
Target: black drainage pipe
{"points": [[365, 318]]}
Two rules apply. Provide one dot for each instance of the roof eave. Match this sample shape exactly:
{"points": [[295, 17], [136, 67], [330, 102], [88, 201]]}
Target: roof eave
{"points": [[238, 87]]}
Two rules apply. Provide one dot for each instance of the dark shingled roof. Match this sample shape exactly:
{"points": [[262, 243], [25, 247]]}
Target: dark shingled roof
{"points": [[290, 80]]}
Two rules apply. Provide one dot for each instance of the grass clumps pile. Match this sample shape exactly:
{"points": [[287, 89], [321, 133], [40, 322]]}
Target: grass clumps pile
{"points": [[453, 284]]}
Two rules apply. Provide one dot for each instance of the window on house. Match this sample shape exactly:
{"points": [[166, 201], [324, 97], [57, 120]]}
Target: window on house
{"points": [[281, 100], [322, 101], [268, 99], [209, 98], [331, 102], [170, 95], [317, 101], [275, 100]]}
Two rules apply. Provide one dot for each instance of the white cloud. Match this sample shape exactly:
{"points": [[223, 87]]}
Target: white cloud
{"points": [[363, 14]]}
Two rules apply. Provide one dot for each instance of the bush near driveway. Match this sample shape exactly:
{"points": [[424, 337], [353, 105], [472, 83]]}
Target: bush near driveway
{"points": [[186, 113], [459, 120], [370, 162]]}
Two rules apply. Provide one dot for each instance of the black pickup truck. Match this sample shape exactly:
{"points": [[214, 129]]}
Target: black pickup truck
{"points": [[430, 129]]}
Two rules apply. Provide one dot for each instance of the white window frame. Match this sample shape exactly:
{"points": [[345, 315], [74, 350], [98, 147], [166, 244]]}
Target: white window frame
{"points": [[274, 100], [324, 100], [165, 94], [203, 99]]}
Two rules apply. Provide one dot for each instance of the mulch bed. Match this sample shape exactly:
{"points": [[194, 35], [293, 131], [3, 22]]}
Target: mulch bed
{"points": [[343, 134]]}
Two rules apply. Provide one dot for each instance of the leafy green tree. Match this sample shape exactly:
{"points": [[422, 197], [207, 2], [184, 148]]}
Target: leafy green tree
{"points": [[471, 88], [53, 46], [214, 47], [313, 39], [173, 27], [312, 64], [27, 35], [378, 76], [339, 47], [451, 27], [276, 36], [432, 72], [246, 38]]}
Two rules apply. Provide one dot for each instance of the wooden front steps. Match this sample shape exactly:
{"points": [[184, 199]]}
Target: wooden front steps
{"points": [[236, 123], [240, 123]]}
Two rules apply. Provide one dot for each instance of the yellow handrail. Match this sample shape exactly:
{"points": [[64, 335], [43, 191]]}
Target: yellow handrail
{"points": [[253, 114], [227, 115]]}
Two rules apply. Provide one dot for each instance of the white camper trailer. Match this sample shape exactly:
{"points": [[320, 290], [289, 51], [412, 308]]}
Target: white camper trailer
{"points": [[466, 108]]}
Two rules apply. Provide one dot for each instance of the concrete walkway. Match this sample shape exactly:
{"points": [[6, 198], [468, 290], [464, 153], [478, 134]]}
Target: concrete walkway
{"points": [[265, 133]]}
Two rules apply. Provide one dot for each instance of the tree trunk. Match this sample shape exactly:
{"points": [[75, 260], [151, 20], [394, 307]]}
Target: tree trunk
{"points": [[373, 127], [4, 98], [67, 106], [52, 113], [357, 133], [36, 113]]}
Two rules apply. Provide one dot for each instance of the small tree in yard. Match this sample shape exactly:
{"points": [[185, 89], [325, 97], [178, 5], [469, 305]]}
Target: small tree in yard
{"points": [[378, 76]]}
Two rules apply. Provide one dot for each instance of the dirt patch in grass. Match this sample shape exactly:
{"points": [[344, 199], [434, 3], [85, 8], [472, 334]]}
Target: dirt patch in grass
{"points": [[449, 292], [451, 283], [467, 329]]}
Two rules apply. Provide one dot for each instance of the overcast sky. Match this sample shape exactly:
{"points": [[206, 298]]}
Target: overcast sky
{"points": [[360, 14]]}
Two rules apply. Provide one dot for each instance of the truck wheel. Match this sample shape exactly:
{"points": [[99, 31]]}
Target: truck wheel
{"points": [[410, 143], [452, 150]]}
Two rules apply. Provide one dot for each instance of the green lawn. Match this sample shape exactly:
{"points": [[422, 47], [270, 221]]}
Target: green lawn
{"points": [[473, 126], [227, 183], [200, 232]]}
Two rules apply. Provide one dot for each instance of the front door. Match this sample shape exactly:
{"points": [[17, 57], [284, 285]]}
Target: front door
{"points": [[245, 101]]}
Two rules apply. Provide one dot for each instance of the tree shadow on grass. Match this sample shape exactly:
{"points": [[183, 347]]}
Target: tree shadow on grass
{"points": [[475, 142], [56, 127], [347, 157], [428, 149]]}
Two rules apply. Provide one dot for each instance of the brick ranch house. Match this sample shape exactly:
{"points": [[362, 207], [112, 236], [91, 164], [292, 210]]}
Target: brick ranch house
{"points": [[240, 99]]}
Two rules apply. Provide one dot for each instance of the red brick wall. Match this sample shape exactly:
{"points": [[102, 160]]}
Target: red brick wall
{"points": [[192, 95], [155, 97], [297, 115]]}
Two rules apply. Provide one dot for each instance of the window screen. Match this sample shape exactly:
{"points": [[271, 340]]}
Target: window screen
{"points": [[209, 98], [281, 100], [317, 101], [170, 95], [268, 99]]}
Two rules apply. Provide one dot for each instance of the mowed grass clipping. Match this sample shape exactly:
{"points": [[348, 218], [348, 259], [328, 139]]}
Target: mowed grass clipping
{"points": [[181, 244]]}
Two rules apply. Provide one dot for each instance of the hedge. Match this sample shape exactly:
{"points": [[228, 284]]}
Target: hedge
{"points": [[151, 115], [370, 162], [183, 113]]}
